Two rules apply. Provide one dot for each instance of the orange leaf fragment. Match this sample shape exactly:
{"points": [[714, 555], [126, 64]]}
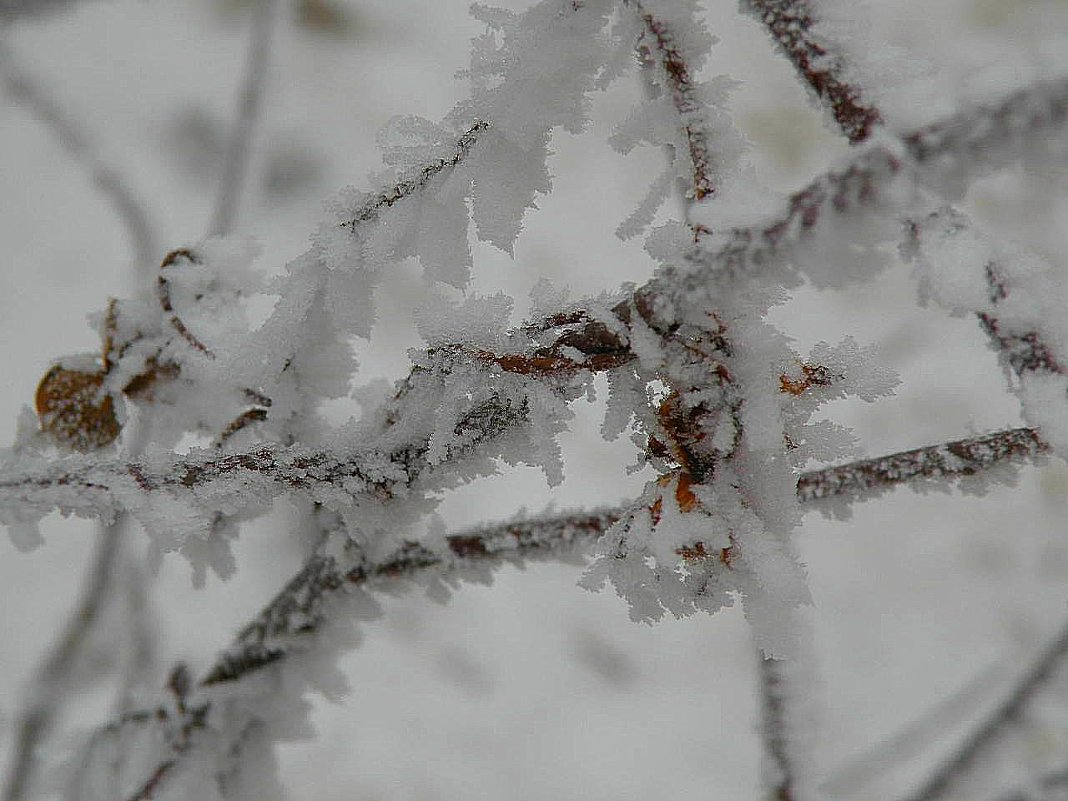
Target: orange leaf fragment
{"points": [[74, 409]]}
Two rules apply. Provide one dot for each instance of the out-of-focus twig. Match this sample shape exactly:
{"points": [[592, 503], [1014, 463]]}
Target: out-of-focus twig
{"points": [[26, 89], [250, 100], [54, 676], [941, 781], [774, 726]]}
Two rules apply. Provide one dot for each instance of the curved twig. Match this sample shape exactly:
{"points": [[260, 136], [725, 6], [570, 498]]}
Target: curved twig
{"points": [[130, 209]]}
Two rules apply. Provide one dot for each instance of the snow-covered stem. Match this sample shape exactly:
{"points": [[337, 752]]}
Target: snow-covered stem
{"points": [[303, 605], [49, 690], [659, 46], [963, 458], [26, 89], [82, 485], [91, 487], [961, 761], [959, 148], [790, 23], [299, 607], [249, 103], [417, 180], [303, 596]]}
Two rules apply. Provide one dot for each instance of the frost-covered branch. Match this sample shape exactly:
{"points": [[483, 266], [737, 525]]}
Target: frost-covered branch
{"points": [[929, 466], [660, 45], [790, 23], [960, 762], [1017, 298], [417, 180], [91, 487], [298, 608], [314, 599], [301, 607]]}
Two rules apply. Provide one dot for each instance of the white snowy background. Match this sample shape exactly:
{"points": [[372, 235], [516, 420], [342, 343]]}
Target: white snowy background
{"points": [[533, 688]]}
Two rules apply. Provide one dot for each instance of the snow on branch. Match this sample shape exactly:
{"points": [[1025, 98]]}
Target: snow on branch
{"points": [[884, 179], [1018, 299], [332, 587], [928, 466], [660, 45], [299, 609], [790, 23], [88, 486], [417, 180]]}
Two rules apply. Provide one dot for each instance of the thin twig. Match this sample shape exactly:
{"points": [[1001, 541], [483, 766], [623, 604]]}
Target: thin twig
{"points": [[660, 45], [914, 738], [418, 179], [26, 89], [249, 103], [54, 676], [774, 727], [789, 22], [938, 784]]}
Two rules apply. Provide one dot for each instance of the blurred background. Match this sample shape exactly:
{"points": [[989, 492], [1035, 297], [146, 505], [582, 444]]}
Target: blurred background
{"points": [[532, 688]]}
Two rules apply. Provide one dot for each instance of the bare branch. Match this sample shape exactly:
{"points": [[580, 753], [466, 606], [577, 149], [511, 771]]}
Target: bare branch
{"points": [[774, 729], [789, 22], [54, 676], [26, 89], [250, 99], [941, 781]]}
